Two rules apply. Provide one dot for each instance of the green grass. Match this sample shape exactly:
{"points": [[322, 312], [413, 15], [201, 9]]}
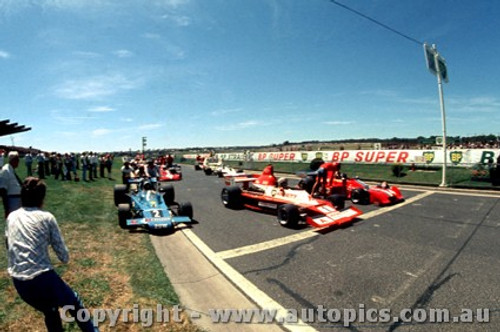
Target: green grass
{"points": [[109, 267]]}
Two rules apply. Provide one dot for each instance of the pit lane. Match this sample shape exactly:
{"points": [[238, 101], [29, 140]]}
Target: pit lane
{"points": [[436, 250]]}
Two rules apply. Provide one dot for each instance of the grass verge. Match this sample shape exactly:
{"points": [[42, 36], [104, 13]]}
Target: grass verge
{"points": [[110, 268]]}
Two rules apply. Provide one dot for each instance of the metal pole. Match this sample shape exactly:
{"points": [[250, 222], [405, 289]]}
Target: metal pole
{"points": [[443, 116]]}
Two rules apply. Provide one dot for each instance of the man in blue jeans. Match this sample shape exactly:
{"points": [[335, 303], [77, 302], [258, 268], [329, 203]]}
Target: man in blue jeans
{"points": [[29, 232]]}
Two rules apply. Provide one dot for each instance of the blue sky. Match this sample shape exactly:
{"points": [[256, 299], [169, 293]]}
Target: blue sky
{"points": [[100, 74]]}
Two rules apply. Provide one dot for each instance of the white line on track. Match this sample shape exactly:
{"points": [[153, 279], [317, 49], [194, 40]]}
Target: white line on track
{"points": [[248, 288], [452, 191], [253, 248]]}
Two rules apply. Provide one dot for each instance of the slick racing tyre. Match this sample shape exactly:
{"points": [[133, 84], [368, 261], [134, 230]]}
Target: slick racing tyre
{"points": [[168, 193], [360, 196], [120, 194], [338, 201], [288, 215], [231, 197], [124, 213], [185, 210]]}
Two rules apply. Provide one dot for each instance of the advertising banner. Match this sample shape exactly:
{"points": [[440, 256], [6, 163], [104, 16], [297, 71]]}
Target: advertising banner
{"points": [[464, 157]]}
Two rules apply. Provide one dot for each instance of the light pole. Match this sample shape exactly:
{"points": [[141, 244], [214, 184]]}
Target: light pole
{"points": [[144, 143], [437, 66]]}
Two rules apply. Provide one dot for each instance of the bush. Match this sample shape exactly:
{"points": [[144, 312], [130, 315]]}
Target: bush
{"points": [[397, 170], [315, 164]]}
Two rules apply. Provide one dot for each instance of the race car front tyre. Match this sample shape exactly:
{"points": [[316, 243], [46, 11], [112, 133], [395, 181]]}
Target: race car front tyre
{"points": [[185, 210], [231, 197], [288, 215], [338, 201], [120, 194], [168, 193], [124, 213], [208, 171], [360, 196]]}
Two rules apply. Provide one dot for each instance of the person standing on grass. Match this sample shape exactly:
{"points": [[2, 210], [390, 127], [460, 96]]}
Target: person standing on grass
{"points": [[109, 164], [10, 184], [29, 232], [28, 161], [40, 161]]}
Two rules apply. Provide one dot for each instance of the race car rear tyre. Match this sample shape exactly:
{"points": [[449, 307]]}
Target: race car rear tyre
{"points": [[168, 193], [124, 213], [288, 215], [120, 194], [208, 171], [360, 196], [231, 197], [338, 201], [307, 184], [185, 210]]}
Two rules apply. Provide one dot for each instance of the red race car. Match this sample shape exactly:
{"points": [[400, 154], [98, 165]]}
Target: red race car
{"points": [[353, 188], [173, 173], [266, 194]]}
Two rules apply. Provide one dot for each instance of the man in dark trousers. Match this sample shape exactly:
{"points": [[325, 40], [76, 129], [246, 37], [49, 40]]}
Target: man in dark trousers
{"points": [[29, 232]]}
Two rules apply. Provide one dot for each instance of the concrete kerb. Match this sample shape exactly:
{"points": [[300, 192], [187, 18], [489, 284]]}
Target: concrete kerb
{"points": [[201, 287]]}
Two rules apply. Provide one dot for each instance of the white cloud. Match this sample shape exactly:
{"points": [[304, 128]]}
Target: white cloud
{"points": [[179, 20], [339, 123], [483, 104], [85, 54], [172, 3], [101, 109], [68, 117], [101, 132], [150, 126], [4, 55], [74, 4], [226, 111], [94, 87], [123, 53], [239, 126]]}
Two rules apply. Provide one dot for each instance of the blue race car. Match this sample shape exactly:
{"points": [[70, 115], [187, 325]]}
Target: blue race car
{"points": [[150, 204]]}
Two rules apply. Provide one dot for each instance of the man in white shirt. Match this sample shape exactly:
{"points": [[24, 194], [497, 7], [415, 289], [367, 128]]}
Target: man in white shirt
{"points": [[29, 232], [10, 184]]}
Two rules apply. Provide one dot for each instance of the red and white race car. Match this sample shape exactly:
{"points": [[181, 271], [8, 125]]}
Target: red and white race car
{"points": [[355, 190], [262, 193], [173, 173]]}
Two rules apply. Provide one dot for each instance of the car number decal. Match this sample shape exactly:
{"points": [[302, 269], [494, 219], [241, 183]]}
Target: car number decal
{"points": [[156, 213]]}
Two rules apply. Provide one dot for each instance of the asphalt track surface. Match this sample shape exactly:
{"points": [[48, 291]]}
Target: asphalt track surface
{"points": [[437, 250]]}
